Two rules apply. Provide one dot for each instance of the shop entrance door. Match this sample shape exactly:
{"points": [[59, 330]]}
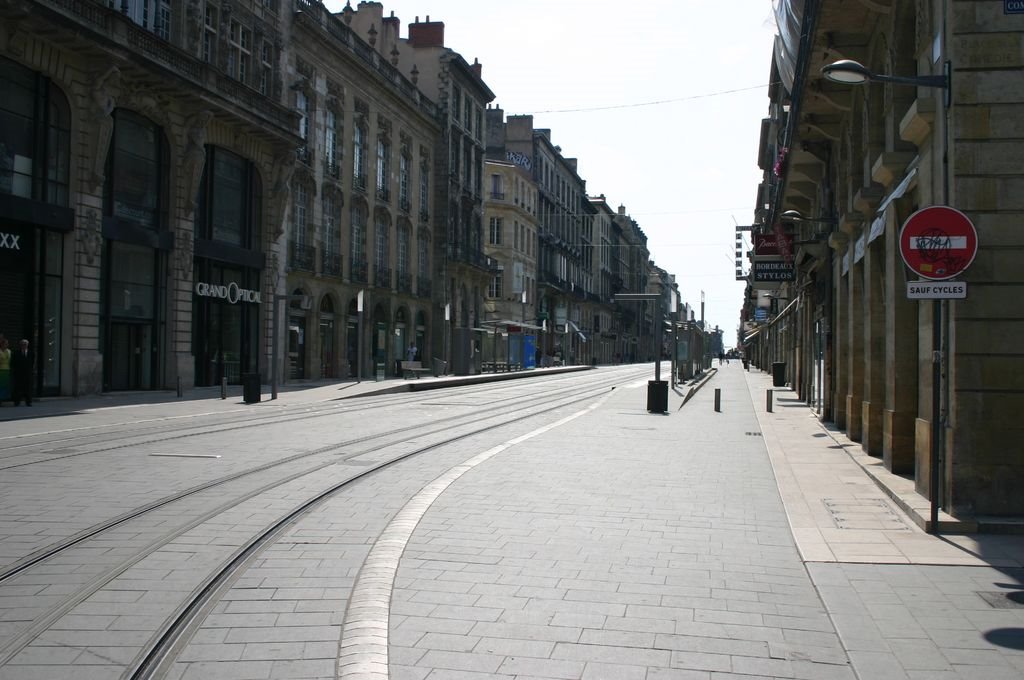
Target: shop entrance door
{"points": [[131, 360]]}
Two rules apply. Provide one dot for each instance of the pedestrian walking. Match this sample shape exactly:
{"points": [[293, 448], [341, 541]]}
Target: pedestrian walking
{"points": [[5, 370], [22, 361], [411, 351]]}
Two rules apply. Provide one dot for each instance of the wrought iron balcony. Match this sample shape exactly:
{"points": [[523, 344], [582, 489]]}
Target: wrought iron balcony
{"points": [[404, 282], [304, 155], [463, 253], [382, 277], [424, 216], [359, 182], [384, 194], [498, 195], [332, 169], [331, 264], [358, 270], [423, 286], [404, 205], [301, 257]]}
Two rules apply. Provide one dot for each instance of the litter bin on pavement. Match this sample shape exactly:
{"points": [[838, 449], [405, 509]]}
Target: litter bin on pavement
{"points": [[251, 388], [779, 374], [439, 367], [657, 396]]}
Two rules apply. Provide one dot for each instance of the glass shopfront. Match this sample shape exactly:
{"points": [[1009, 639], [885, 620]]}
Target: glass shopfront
{"points": [[227, 312], [31, 261], [134, 317]]}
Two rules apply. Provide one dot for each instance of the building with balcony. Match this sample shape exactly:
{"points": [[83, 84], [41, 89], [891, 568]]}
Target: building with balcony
{"points": [[510, 213], [142, 156], [362, 190], [461, 270], [926, 386]]}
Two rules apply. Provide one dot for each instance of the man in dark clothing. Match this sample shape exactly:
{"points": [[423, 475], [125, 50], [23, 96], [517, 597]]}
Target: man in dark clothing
{"points": [[22, 360]]}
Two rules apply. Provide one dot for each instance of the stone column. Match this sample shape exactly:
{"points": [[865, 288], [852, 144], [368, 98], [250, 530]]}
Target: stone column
{"points": [[854, 331], [840, 335], [874, 349], [900, 359]]}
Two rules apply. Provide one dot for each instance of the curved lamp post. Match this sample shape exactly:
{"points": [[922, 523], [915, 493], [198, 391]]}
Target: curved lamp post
{"points": [[849, 72]]}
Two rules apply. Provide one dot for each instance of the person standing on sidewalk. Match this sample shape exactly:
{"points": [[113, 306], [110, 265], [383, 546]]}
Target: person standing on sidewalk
{"points": [[5, 370], [21, 372]]}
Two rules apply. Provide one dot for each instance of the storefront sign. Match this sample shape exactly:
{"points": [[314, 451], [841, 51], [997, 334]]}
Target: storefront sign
{"points": [[231, 292], [774, 270], [1013, 6], [773, 244], [9, 241]]}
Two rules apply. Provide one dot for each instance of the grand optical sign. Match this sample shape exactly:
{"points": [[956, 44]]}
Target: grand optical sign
{"points": [[231, 292]]}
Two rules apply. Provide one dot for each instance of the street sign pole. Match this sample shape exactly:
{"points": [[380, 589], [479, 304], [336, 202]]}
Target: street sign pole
{"points": [[937, 243]]}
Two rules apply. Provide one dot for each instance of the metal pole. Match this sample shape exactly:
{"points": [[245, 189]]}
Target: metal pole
{"points": [[657, 339], [275, 321], [718, 400], [936, 413], [359, 347], [224, 388], [179, 387], [768, 404]]}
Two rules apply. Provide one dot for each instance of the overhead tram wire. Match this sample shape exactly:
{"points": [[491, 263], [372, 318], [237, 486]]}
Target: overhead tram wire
{"points": [[660, 102]]}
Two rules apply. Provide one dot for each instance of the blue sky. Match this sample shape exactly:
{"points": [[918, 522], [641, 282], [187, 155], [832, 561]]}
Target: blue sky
{"points": [[660, 102]]}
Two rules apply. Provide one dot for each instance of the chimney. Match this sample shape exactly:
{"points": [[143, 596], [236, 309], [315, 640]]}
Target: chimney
{"points": [[622, 210], [477, 68], [426, 33]]}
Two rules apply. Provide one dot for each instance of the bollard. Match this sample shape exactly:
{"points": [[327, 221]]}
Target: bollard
{"points": [[718, 400], [179, 387], [223, 388], [769, 403]]}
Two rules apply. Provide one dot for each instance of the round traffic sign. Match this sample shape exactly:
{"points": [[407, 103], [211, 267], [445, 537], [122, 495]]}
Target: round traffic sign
{"points": [[938, 242]]}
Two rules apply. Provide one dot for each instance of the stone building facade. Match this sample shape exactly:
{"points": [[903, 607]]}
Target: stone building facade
{"points": [[360, 227], [923, 385], [141, 185]]}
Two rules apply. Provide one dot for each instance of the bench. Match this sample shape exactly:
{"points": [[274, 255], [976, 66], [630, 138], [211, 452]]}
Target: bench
{"points": [[412, 369]]}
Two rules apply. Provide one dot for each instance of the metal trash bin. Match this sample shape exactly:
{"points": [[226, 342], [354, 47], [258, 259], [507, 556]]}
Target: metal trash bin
{"points": [[657, 396], [779, 374], [440, 365], [251, 388]]}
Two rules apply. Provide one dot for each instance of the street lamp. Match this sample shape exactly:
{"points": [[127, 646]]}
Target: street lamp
{"points": [[795, 216], [849, 72]]}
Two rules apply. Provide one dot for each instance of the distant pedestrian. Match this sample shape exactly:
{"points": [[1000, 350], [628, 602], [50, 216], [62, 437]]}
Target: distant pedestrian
{"points": [[721, 358], [411, 352], [5, 370], [22, 361]]}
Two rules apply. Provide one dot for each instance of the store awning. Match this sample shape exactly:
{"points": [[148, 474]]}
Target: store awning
{"points": [[750, 336], [578, 331], [499, 324]]}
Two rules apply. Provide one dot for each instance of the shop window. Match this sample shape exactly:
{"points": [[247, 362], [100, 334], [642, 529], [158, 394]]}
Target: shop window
{"points": [[35, 136], [229, 200]]}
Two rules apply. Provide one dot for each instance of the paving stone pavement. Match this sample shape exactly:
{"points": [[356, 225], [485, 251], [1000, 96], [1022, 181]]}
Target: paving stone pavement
{"points": [[624, 545]]}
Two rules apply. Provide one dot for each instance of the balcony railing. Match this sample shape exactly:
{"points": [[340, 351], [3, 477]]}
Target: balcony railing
{"points": [[498, 195], [301, 257], [382, 277], [358, 270], [359, 182], [423, 286], [304, 155], [404, 282], [331, 264], [462, 253], [384, 194], [332, 169], [404, 205], [424, 216]]}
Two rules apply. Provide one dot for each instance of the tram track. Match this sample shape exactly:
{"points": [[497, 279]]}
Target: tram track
{"points": [[401, 436], [134, 438]]}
